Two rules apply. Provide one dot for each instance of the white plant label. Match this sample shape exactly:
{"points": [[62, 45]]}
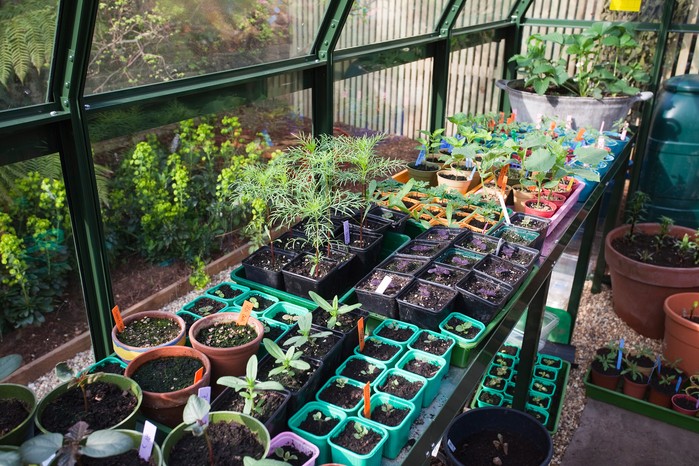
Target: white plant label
{"points": [[146, 447], [381, 289], [504, 208]]}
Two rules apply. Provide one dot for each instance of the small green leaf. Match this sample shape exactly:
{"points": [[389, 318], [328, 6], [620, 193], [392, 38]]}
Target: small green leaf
{"points": [[40, 448], [63, 372], [195, 409]]}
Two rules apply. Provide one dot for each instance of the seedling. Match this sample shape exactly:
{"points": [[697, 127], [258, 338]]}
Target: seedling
{"points": [[370, 369], [78, 441], [636, 211], [632, 369], [304, 332], [286, 362], [65, 374], [359, 431], [689, 315], [388, 408], [335, 310], [249, 387], [608, 360], [320, 418], [196, 416], [286, 456], [340, 383]]}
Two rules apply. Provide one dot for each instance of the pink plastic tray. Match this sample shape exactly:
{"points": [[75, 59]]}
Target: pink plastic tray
{"points": [[565, 208]]}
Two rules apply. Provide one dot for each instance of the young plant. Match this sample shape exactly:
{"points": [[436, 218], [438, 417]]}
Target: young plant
{"points": [[360, 431], [631, 368], [287, 362], [500, 445], [65, 374], [249, 387], [430, 142], [78, 441], [388, 408], [607, 360], [196, 416], [304, 332], [335, 310], [635, 211], [285, 456]]}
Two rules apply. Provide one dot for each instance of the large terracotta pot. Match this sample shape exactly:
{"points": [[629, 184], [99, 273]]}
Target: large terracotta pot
{"points": [[681, 339], [638, 289], [226, 361], [167, 408]]}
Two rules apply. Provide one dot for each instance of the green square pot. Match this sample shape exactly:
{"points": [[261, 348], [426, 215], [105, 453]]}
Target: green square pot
{"points": [[389, 362], [433, 383], [416, 399], [350, 410], [548, 383], [212, 291], [482, 404], [424, 334], [398, 435], [275, 312], [380, 368], [221, 304], [346, 457], [549, 371], [531, 409], [555, 363], [238, 302], [321, 442], [396, 324], [463, 347]]}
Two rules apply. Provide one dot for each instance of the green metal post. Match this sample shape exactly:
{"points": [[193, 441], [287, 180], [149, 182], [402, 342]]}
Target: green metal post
{"points": [[76, 24], [513, 44]]}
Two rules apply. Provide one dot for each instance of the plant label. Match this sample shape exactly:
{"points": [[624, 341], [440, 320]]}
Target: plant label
{"points": [[538, 120], [346, 231], [569, 122], [502, 178], [657, 363], [553, 126], [367, 400], [421, 157], [146, 447], [679, 382], [622, 136], [360, 329], [205, 394], [620, 354], [579, 136], [381, 289], [570, 184], [117, 319], [245, 312], [502, 118], [600, 142], [501, 242], [504, 208], [451, 445], [198, 374], [696, 406]]}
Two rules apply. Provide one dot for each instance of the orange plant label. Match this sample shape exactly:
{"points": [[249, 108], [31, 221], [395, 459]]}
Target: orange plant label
{"points": [[579, 136], [553, 126], [367, 401], [502, 181], [117, 319], [245, 312], [360, 329], [198, 375], [502, 117]]}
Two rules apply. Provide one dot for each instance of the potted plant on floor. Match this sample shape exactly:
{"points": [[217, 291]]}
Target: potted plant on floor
{"points": [[649, 262], [603, 369], [681, 340], [635, 382], [601, 90], [146, 330]]}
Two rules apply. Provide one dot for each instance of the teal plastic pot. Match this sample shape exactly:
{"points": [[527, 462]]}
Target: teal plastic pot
{"points": [[328, 410], [421, 341], [482, 402], [217, 416], [433, 383], [546, 373], [503, 372], [281, 308], [349, 410], [551, 362], [545, 400], [506, 360], [462, 350], [256, 312], [218, 305], [379, 368], [417, 398], [347, 457], [391, 361], [97, 367], [397, 435], [547, 383], [537, 413], [389, 324], [25, 429], [227, 286]]}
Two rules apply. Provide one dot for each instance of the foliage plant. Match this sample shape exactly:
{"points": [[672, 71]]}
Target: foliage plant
{"points": [[303, 334], [65, 374], [334, 309], [196, 416], [286, 363], [601, 68], [249, 387]]}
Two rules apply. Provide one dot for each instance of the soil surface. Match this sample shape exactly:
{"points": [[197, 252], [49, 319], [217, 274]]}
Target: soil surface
{"points": [[389, 415], [363, 445], [501, 269], [263, 259], [461, 328], [148, 332], [426, 369], [344, 323], [479, 449], [404, 265], [421, 248], [292, 382], [13, 412], [318, 423], [206, 306], [458, 258], [226, 335], [429, 297], [129, 458], [440, 235], [370, 284], [398, 385], [227, 292], [266, 403], [109, 368], [443, 275], [168, 374], [515, 254], [290, 455], [395, 333], [478, 243], [361, 370], [314, 347], [378, 350], [345, 395], [649, 249], [432, 344], [485, 289]]}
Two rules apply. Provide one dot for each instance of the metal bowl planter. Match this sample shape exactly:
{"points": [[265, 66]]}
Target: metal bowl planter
{"points": [[128, 352]]}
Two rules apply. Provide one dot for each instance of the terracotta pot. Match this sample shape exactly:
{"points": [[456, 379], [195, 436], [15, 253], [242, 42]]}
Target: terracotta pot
{"points": [[166, 408], [128, 352], [529, 209], [609, 382], [225, 361], [680, 409], [659, 398], [521, 194], [462, 186], [563, 187], [635, 389], [557, 198], [639, 289], [681, 340]]}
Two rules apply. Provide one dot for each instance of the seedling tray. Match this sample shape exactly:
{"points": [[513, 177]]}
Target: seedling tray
{"points": [[238, 275], [565, 208], [635, 405]]}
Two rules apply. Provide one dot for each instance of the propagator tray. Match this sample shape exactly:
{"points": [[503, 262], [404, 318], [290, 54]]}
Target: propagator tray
{"points": [[565, 208], [617, 398]]}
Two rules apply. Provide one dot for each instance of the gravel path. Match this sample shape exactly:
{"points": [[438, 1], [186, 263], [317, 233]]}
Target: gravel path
{"points": [[596, 325]]}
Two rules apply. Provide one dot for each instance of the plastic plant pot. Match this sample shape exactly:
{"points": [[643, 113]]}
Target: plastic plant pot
{"points": [[441, 234], [299, 284], [424, 338], [397, 435], [347, 457], [539, 385], [262, 302], [506, 360], [391, 359], [371, 374], [442, 274], [225, 289], [546, 373], [368, 256], [457, 257], [538, 413], [501, 270], [388, 326], [332, 348], [349, 410], [414, 312], [435, 381], [485, 398], [275, 422], [128, 352], [481, 309], [403, 265], [544, 360], [533, 223], [301, 395], [678, 401], [520, 255], [267, 275], [524, 237], [281, 309], [539, 400], [109, 360], [503, 372], [382, 387], [420, 248], [460, 353], [25, 429], [212, 306], [372, 223], [397, 218], [320, 441], [381, 303], [296, 442]]}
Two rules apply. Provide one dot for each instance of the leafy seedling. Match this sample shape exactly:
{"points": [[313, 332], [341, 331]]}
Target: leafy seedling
{"points": [[304, 332], [286, 362], [334, 309], [249, 387], [65, 374]]}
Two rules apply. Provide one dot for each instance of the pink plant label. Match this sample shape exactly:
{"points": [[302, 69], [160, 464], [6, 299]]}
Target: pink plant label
{"points": [[147, 439]]}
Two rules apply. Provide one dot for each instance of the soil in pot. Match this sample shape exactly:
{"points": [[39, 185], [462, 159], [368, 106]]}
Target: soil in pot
{"points": [[372, 282], [188, 320], [446, 276], [479, 224], [107, 405], [342, 394], [687, 403], [396, 384], [316, 348], [206, 306], [543, 388], [108, 368], [360, 370], [227, 292], [13, 411], [440, 234], [272, 331], [430, 297], [226, 335], [496, 383], [478, 243], [512, 236], [318, 424], [481, 449], [290, 455], [362, 446], [459, 258], [508, 349], [344, 322], [512, 253], [389, 415], [168, 374], [149, 332], [259, 302], [263, 260], [231, 442], [403, 265], [500, 371], [421, 248], [427, 369], [529, 221], [291, 380], [266, 403], [665, 252], [379, 350], [462, 328], [304, 267], [431, 344], [395, 332], [485, 289], [501, 269], [490, 398]]}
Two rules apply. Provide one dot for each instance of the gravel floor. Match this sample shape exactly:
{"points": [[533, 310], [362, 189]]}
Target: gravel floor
{"points": [[596, 325]]}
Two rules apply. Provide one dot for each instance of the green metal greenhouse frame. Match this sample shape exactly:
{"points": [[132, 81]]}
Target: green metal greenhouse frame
{"points": [[61, 124]]}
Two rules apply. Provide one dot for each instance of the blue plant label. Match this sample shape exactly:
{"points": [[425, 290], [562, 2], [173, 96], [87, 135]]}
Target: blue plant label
{"points": [[146, 447], [205, 393], [657, 363], [267, 138], [619, 356], [679, 382], [420, 158], [345, 229]]}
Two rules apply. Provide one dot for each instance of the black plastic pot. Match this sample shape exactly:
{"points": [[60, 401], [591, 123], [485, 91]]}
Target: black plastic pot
{"points": [[332, 358], [327, 286], [291, 241], [413, 265], [420, 248], [368, 256], [441, 234], [542, 230], [420, 316], [452, 275], [528, 237], [381, 303], [510, 423], [351, 335], [372, 224], [531, 254], [514, 277], [479, 308], [307, 392], [275, 423], [267, 277], [397, 218]]}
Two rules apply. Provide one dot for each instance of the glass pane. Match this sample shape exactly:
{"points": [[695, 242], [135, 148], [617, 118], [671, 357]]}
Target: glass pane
{"points": [[651, 10], [372, 22], [27, 30], [483, 11], [170, 39], [392, 100], [40, 290]]}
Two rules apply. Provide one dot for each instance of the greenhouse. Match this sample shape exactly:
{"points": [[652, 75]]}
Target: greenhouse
{"points": [[355, 232]]}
